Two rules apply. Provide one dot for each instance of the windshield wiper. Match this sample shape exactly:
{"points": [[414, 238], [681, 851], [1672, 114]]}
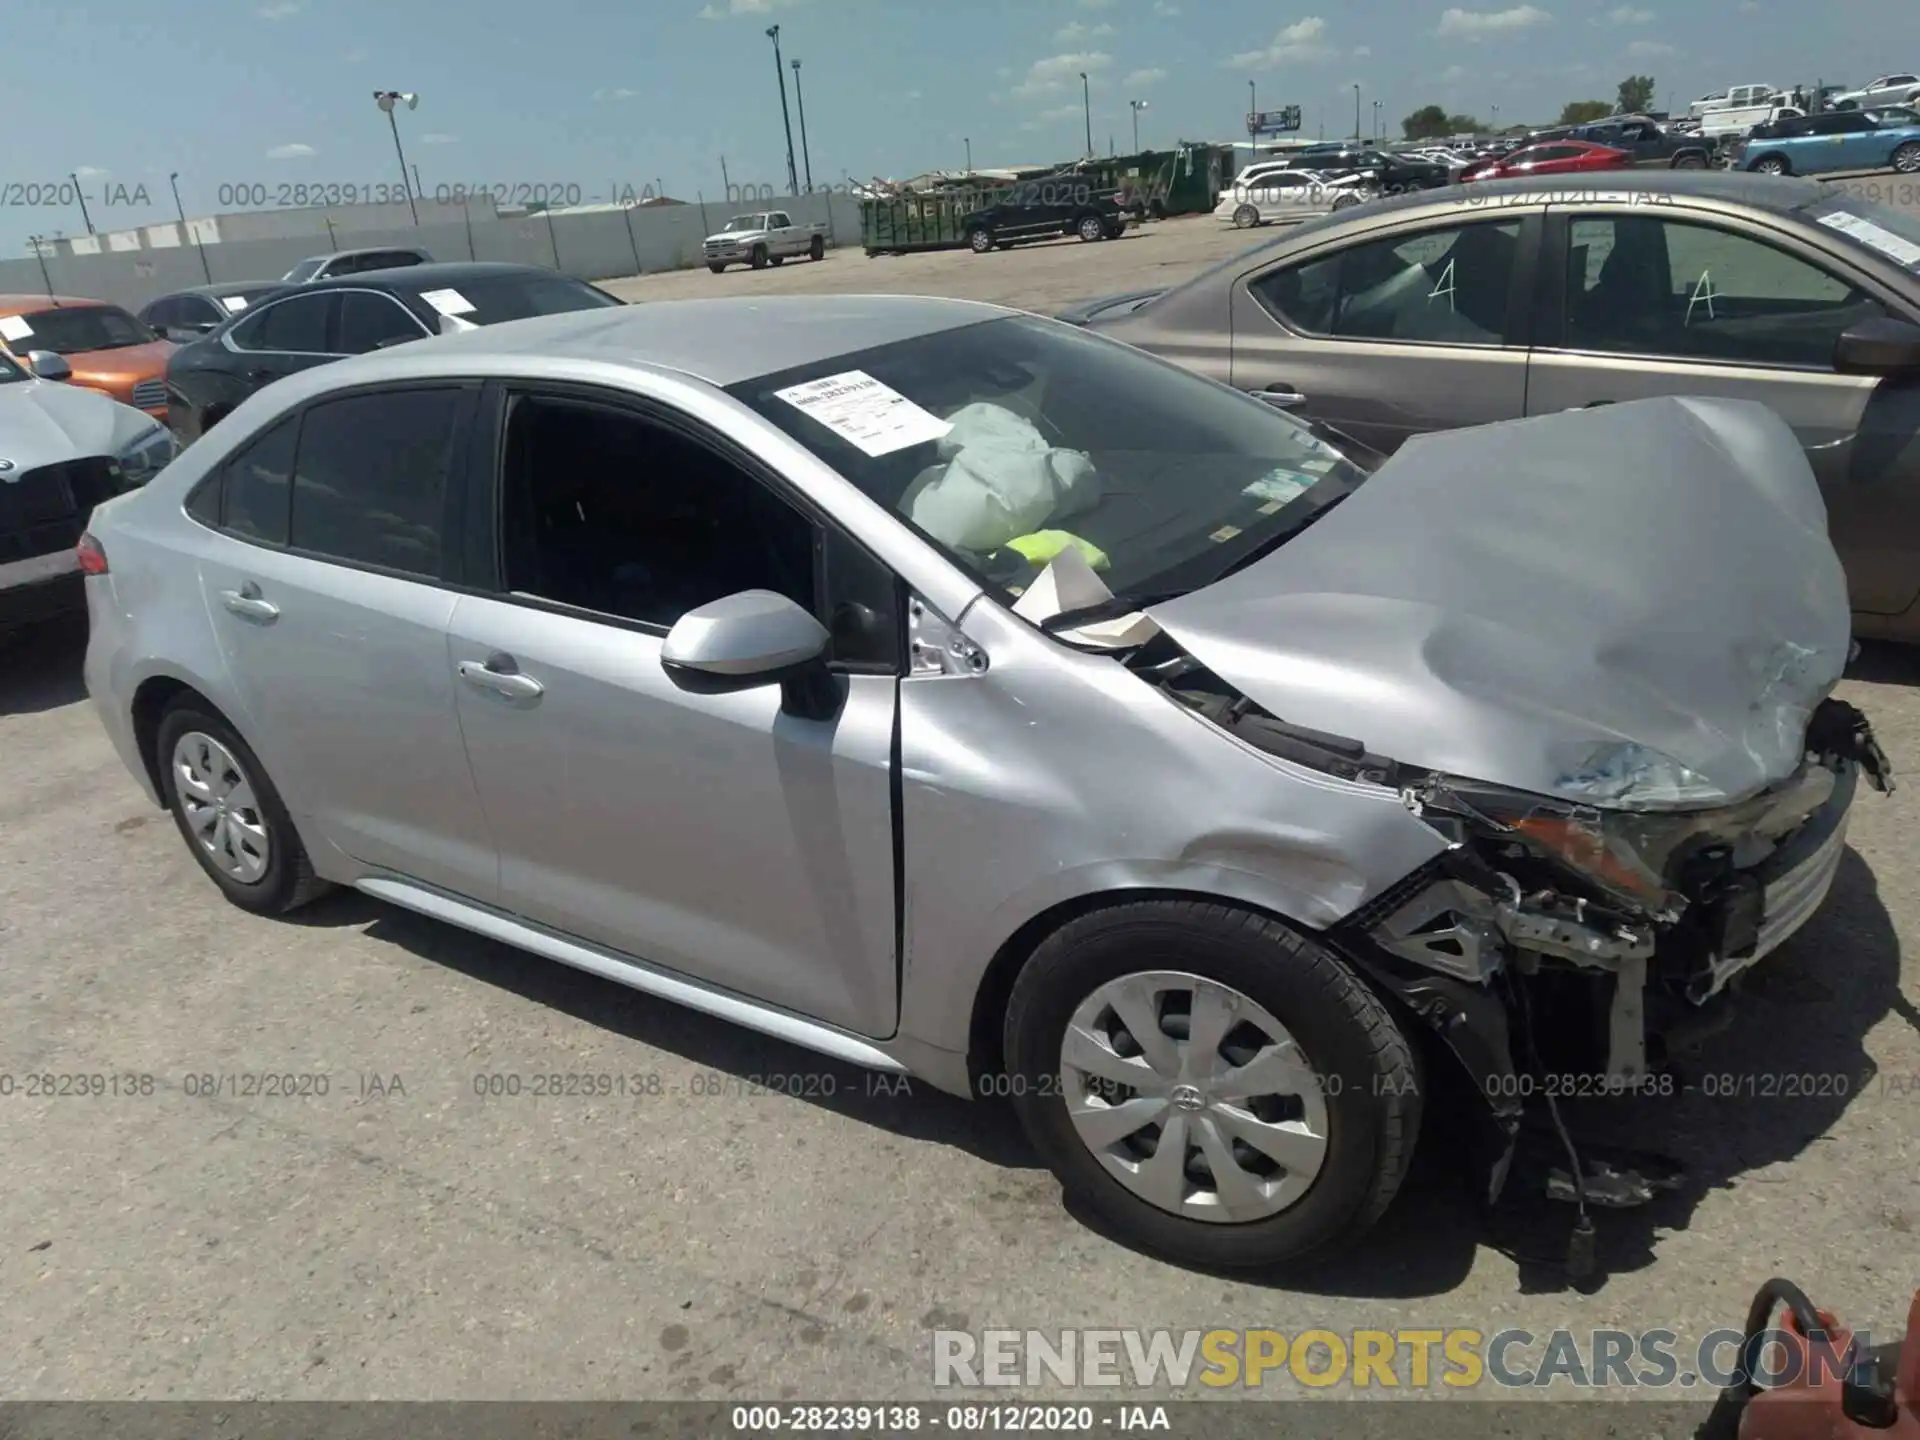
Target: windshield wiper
{"points": [[1112, 609], [1273, 542]]}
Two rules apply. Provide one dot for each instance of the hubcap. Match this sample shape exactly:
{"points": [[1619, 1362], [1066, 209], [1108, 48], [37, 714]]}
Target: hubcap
{"points": [[1194, 1097], [218, 803]]}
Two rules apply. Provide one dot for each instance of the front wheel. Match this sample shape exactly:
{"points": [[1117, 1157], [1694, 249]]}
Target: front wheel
{"points": [[1212, 1085], [715, 267], [1092, 227], [817, 248], [1245, 218], [758, 257], [1690, 160], [1907, 158], [980, 241], [1343, 202], [1771, 165]]}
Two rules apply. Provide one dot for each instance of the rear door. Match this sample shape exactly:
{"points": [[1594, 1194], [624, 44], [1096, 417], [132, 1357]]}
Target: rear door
{"points": [[1402, 329], [1642, 301], [284, 338]]}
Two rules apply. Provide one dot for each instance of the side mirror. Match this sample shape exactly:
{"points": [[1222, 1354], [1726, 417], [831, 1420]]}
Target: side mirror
{"points": [[749, 639], [1880, 346], [48, 366]]}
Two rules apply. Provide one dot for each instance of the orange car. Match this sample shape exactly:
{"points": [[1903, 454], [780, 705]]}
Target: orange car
{"points": [[104, 347]]}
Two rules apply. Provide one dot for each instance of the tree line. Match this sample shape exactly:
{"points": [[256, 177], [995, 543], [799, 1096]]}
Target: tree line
{"points": [[1432, 122]]}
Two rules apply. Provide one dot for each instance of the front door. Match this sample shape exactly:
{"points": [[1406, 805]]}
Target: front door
{"points": [[716, 835], [1388, 337], [1653, 304], [284, 338]]}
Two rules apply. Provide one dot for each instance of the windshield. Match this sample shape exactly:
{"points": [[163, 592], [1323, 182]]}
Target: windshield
{"points": [[1005, 441], [305, 270], [75, 329], [10, 372], [516, 297], [1894, 115], [1888, 231], [743, 222]]}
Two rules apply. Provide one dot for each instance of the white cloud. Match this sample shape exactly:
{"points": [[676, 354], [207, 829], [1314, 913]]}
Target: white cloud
{"points": [[1165, 7], [1473, 24], [743, 7], [1095, 4], [618, 92], [295, 151], [1074, 32], [1361, 52], [91, 172], [1453, 74], [1302, 40], [1140, 79], [1624, 15], [1054, 73], [280, 9], [436, 137], [1650, 49]]}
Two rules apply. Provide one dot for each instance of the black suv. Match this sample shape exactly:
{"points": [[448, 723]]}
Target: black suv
{"points": [[1062, 204], [1393, 173]]}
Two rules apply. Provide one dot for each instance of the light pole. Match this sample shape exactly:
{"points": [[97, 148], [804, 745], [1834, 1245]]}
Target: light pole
{"points": [[1356, 111], [1376, 119], [1136, 106], [1253, 109], [386, 99], [174, 181], [800, 100], [1496, 119], [786, 118], [75, 177], [968, 142], [1086, 102]]}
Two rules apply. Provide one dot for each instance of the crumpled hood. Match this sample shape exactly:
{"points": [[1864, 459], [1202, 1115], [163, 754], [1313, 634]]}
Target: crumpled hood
{"points": [[1516, 603], [45, 421]]}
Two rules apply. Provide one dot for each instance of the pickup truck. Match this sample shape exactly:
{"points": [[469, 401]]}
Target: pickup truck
{"points": [[1650, 145], [764, 238]]}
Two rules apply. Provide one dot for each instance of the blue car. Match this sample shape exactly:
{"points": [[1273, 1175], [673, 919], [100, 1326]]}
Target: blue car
{"points": [[1876, 139]]}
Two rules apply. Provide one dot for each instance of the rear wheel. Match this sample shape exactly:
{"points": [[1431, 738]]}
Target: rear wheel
{"points": [[979, 240], [1772, 165], [758, 258], [817, 248], [1245, 218], [1211, 1084], [714, 267], [1342, 202], [776, 259], [1092, 227], [233, 820], [1690, 160], [1907, 158]]}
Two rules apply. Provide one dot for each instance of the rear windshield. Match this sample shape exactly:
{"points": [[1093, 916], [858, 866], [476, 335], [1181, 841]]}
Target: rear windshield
{"points": [[74, 329], [518, 297]]}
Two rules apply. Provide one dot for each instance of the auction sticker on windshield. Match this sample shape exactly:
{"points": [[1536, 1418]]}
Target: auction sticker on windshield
{"points": [[447, 302], [865, 413], [235, 303], [1905, 252], [14, 328]]}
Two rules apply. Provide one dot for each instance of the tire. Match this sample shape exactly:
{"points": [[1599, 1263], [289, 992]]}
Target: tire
{"points": [[758, 258], [817, 248], [1362, 1074], [1772, 165], [1906, 159], [191, 728], [1690, 160], [1157, 209], [716, 269], [1090, 228], [1115, 229], [1345, 202], [776, 260], [1245, 218], [979, 240]]}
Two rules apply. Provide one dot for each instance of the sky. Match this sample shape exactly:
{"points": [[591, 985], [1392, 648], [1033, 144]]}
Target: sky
{"points": [[596, 100]]}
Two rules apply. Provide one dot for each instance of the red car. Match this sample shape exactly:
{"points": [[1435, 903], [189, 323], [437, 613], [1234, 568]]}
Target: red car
{"points": [[1552, 157]]}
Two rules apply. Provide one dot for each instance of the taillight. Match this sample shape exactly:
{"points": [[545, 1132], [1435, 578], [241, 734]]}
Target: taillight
{"points": [[93, 557]]}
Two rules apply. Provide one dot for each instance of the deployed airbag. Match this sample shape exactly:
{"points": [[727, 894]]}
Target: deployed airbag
{"points": [[1000, 480]]}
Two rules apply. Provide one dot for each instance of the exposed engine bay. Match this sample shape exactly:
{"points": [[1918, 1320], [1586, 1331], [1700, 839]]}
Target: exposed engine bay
{"points": [[1557, 939]]}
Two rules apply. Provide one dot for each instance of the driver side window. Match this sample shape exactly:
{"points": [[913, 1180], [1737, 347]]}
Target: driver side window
{"points": [[1449, 286]]}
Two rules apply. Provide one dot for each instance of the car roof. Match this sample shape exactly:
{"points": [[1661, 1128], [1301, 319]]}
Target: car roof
{"points": [[720, 341], [223, 287], [426, 277], [20, 304], [364, 250]]}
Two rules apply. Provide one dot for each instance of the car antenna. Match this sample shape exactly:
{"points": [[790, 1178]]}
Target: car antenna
{"points": [[41, 255]]}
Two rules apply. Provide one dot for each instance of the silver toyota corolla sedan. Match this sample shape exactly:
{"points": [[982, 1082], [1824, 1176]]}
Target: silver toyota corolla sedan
{"points": [[958, 693]]}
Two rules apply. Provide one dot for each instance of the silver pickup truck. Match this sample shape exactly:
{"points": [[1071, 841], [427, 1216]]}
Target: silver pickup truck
{"points": [[762, 239]]}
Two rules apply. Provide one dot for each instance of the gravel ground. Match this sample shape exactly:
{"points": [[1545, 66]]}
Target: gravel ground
{"points": [[401, 1236]]}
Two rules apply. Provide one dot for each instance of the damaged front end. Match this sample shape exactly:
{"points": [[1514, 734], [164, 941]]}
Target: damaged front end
{"points": [[1562, 946]]}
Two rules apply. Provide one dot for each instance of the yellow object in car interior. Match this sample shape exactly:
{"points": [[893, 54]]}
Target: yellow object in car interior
{"points": [[1042, 545]]}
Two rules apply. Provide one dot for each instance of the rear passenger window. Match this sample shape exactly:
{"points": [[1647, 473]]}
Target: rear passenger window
{"points": [[371, 484], [255, 507]]}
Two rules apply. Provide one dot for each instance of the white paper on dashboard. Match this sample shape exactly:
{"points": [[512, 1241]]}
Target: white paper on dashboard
{"points": [[1878, 236], [874, 417], [1069, 583], [235, 303], [448, 302], [14, 327]]}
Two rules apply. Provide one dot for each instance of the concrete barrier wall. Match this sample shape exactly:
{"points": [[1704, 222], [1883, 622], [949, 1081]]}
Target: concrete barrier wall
{"points": [[600, 245]]}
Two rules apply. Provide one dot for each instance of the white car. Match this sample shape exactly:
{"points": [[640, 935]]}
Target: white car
{"points": [[1887, 90], [62, 451], [1263, 195]]}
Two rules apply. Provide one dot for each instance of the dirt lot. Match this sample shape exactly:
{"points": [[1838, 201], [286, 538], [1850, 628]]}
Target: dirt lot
{"points": [[403, 1236]]}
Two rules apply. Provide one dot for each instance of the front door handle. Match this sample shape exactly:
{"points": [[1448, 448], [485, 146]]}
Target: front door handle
{"points": [[1281, 394], [502, 676], [261, 377], [247, 601]]}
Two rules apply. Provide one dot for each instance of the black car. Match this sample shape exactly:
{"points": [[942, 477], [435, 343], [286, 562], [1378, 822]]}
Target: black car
{"points": [[1393, 173], [323, 320], [186, 315], [1062, 204]]}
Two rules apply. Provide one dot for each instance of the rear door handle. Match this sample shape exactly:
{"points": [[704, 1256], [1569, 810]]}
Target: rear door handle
{"points": [[502, 676], [1281, 394], [247, 601]]}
